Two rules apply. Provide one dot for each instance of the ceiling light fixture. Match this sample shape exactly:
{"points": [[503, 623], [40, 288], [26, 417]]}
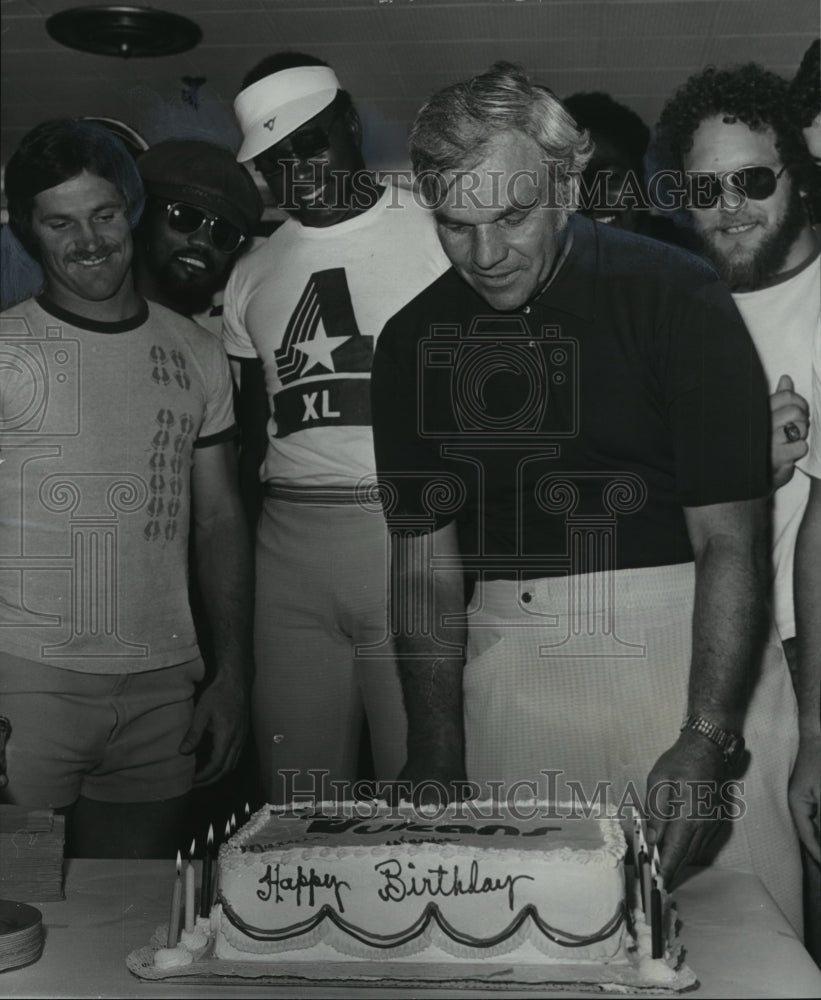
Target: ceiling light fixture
{"points": [[124, 31]]}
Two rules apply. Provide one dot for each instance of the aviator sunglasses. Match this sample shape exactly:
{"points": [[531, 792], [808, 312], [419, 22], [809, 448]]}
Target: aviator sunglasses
{"points": [[186, 219], [754, 183]]}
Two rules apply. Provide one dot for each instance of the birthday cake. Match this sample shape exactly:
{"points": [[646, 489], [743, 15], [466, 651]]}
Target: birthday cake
{"points": [[468, 883]]}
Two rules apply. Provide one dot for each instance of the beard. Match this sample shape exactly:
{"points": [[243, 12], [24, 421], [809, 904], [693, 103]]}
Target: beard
{"points": [[189, 297], [746, 270]]}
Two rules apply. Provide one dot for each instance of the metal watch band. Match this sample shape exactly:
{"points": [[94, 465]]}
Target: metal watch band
{"points": [[728, 742]]}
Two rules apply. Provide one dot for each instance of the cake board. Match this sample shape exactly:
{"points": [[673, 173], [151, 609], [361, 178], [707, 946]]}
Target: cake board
{"points": [[490, 975]]}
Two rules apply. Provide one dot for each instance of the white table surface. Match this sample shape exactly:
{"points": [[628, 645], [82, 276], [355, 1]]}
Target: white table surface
{"points": [[738, 942]]}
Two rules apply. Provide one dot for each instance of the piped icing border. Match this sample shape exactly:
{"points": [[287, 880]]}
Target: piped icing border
{"points": [[431, 914]]}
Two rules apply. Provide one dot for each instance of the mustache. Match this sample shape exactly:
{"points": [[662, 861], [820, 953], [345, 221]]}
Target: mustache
{"points": [[203, 254], [78, 256]]}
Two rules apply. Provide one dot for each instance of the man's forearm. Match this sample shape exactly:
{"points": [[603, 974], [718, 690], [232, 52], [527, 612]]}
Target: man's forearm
{"points": [[429, 611], [251, 489], [252, 414], [729, 623], [432, 691], [225, 577]]}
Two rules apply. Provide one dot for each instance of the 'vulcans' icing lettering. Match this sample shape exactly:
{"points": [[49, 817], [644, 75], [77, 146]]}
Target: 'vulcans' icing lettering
{"points": [[441, 881], [327, 825], [275, 884]]}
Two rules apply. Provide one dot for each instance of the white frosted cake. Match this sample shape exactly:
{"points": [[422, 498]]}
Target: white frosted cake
{"points": [[469, 883]]}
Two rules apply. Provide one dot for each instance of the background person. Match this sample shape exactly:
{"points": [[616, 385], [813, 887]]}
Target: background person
{"points": [[303, 314], [614, 176], [805, 785], [733, 127], [202, 209], [201, 212], [805, 107], [736, 129]]}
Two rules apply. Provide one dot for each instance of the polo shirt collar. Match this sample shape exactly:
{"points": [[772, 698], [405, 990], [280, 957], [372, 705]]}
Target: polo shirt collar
{"points": [[573, 287]]}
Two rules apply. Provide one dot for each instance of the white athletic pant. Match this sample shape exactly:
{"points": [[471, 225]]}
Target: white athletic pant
{"points": [[321, 596]]}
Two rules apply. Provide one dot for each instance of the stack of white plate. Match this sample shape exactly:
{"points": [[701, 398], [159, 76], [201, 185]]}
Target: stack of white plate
{"points": [[21, 934]]}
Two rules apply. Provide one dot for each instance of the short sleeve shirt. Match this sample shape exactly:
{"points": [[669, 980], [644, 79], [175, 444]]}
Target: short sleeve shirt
{"points": [[311, 303], [626, 391], [99, 426]]}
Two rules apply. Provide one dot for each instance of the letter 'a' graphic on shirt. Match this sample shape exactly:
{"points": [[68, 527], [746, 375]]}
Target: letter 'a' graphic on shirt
{"points": [[324, 362]]}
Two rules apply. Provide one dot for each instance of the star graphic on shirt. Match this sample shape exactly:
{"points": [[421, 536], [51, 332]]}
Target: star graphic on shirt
{"points": [[320, 348]]}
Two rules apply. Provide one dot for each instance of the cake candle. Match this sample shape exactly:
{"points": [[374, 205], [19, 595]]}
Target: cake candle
{"points": [[646, 887], [207, 873], [190, 886], [638, 850], [176, 904], [656, 863], [634, 836], [233, 827], [655, 921], [640, 832]]}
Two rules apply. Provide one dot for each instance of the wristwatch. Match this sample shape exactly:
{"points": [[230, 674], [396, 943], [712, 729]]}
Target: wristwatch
{"points": [[731, 744]]}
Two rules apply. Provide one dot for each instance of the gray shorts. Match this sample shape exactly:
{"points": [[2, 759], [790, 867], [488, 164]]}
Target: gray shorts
{"points": [[110, 737]]}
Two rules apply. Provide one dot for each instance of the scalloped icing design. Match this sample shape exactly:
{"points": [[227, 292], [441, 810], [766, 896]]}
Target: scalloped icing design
{"points": [[360, 881], [527, 940]]}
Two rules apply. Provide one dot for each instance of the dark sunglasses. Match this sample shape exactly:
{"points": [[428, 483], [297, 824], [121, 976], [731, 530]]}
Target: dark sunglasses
{"points": [[183, 218], [304, 144], [755, 183], [311, 142]]}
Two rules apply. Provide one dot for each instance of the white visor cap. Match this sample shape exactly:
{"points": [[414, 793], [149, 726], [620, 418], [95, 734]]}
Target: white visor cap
{"points": [[274, 106]]}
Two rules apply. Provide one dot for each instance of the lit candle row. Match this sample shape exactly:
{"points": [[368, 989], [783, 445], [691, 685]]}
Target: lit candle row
{"points": [[206, 888], [648, 874]]}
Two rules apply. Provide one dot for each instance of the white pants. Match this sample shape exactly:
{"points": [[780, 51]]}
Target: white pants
{"points": [[588, 675], [321, 604]]}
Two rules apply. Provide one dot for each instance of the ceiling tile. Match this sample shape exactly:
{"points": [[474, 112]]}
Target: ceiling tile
{"points": [[649, 20], [776, 52], [232, 27], [18, 8], [305, 27], [188, 8], [741, 17], [23, 114], [21, 33], [664, 52], [489, 22], [393, 55]]}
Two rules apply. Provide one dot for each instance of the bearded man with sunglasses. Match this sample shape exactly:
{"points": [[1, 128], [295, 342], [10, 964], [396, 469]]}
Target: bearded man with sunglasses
{"points": [[116, 421], [731, 134], [734, 136], [201, 211], [303, 313]]}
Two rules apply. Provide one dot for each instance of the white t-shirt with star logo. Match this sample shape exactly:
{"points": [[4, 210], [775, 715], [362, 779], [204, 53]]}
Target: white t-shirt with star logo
{"points": [[311, 303]]}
